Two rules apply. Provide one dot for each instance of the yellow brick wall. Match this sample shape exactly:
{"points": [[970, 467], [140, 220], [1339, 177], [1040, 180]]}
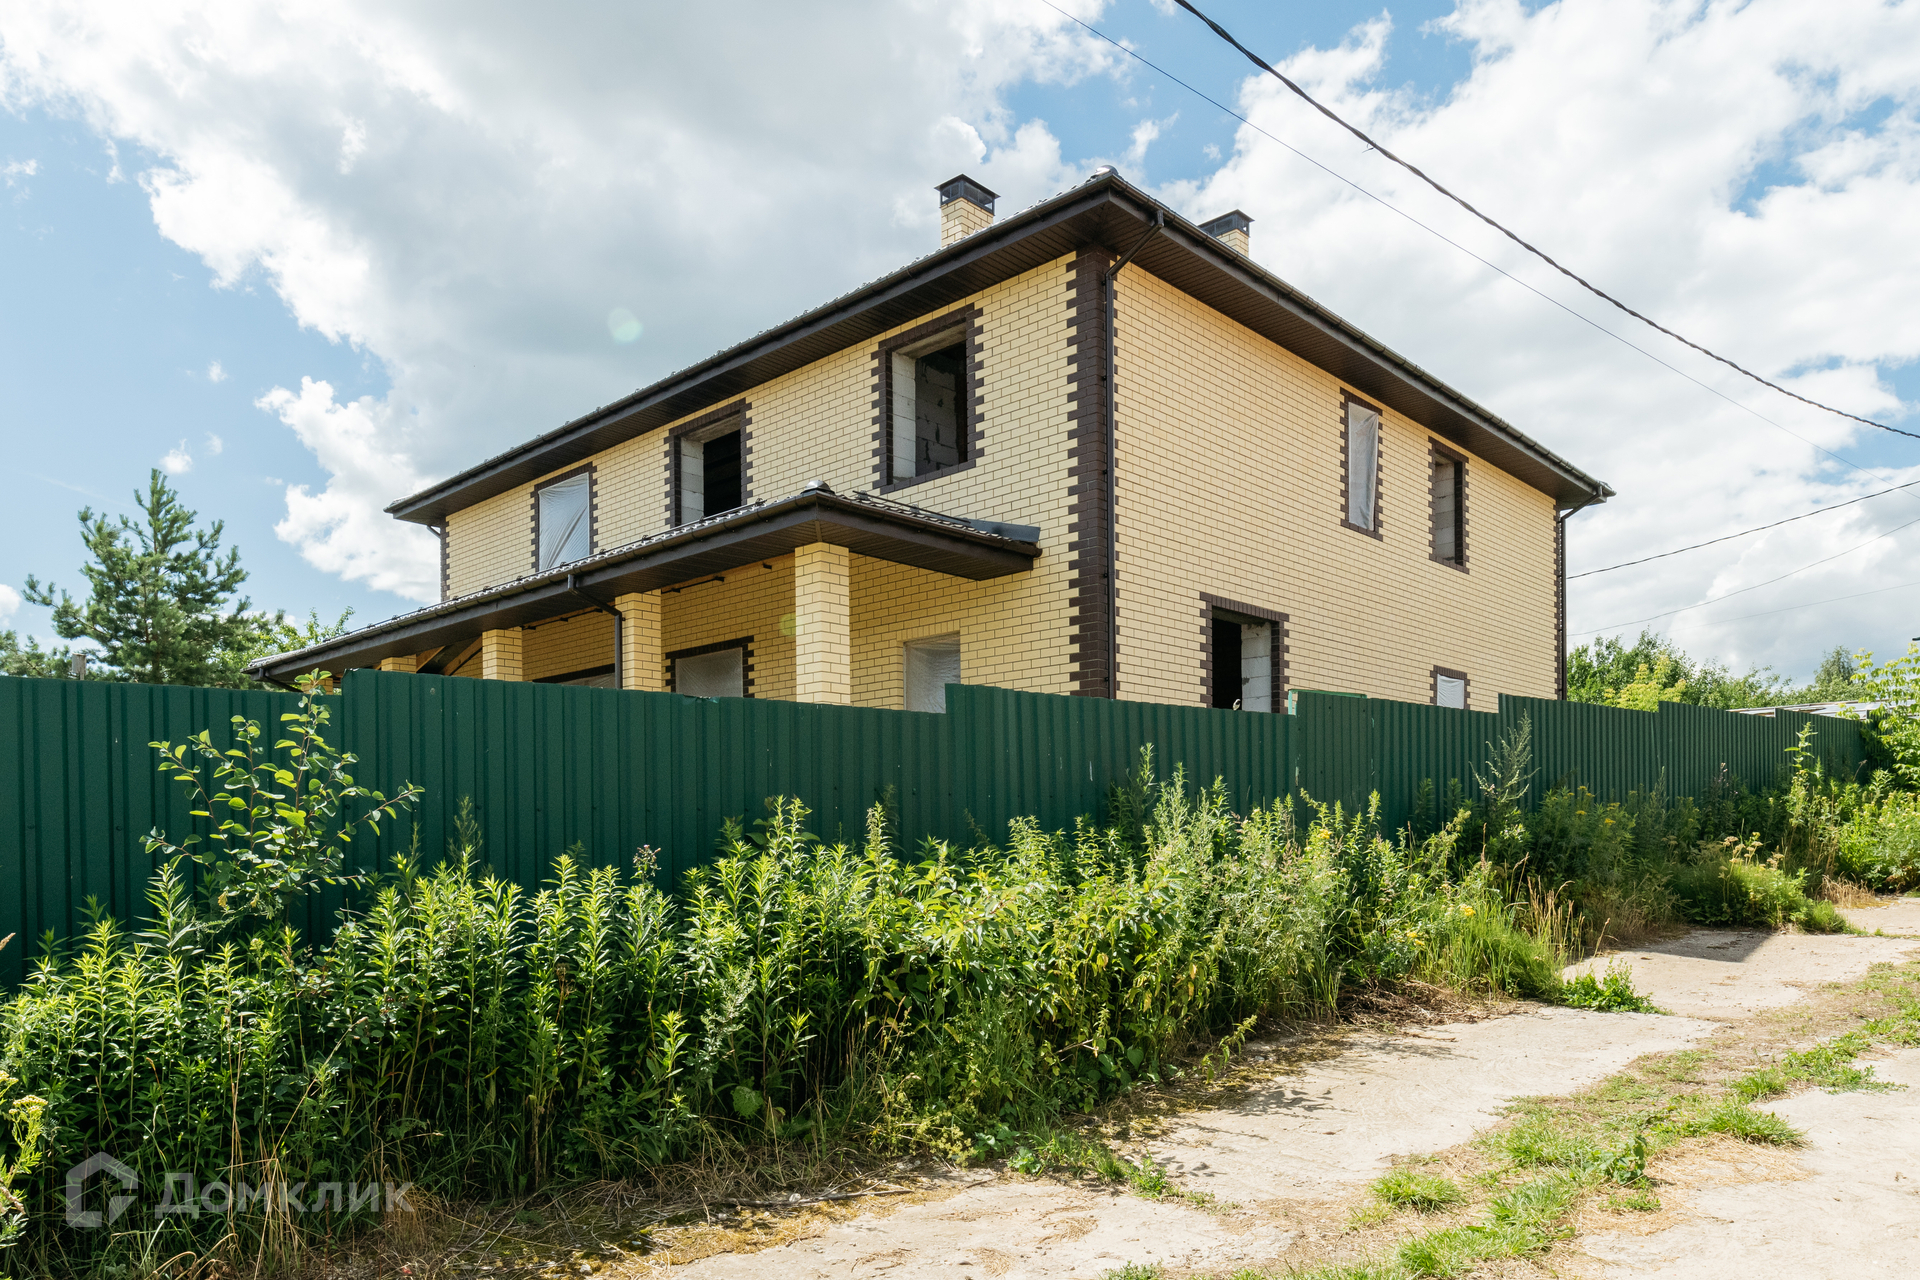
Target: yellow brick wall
{"points": [[817, 423], [755, 600], [1229, 479], [1229, 484], [566, 645]]}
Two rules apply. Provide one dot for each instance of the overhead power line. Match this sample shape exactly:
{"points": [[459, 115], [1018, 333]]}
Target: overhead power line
{"points": [[1817, 511], [1384, 203], [1598, 292], [1767, 613], [1740, 591]]}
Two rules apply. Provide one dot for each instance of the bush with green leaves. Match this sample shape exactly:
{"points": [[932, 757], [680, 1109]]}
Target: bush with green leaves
{"points": [[283, 816]]}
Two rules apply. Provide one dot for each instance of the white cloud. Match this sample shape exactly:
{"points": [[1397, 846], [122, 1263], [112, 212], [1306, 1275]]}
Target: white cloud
{"points": [[468, 210], [215, 445], [1145, 134], [1746, 174], [343, 529], [9, 602], [215, 373], [177, 461], [14, 170]]}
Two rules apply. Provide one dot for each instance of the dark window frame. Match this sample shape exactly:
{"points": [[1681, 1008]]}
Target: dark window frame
{"points": [[605, 669], [592, 472], [1210, 607], [1435, 452], [970, 399], [743, 409], [742, 643], [1466, 686], [1348, 399]]}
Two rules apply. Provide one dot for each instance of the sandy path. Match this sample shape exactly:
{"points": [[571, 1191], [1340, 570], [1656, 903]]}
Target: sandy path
{"points": [[1729, 974], [1855, 1213], [1335, 1125], [1331, 1127]]}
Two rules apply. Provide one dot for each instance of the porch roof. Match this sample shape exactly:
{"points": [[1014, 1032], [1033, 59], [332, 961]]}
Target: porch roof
{"points": [[867, 525]]}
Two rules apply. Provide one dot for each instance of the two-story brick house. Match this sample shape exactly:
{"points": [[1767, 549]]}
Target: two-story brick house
{"points": [[1089, 449]]}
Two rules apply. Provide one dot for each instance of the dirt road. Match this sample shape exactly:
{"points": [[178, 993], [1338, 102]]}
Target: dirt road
{"points": [[1291, 1153]]}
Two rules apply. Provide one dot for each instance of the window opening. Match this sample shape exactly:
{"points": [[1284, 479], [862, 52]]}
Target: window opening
{"points": [[566, 528], [929, 413], [1242, 663], [711, 471], [931, 665], [1450, 691]]}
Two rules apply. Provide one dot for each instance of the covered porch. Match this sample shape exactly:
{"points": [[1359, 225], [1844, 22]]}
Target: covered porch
{"points": [[775, 599]]}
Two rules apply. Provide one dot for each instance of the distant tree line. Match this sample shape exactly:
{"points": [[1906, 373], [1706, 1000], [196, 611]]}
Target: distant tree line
{"points": [[161, 606], [1653, 670]]}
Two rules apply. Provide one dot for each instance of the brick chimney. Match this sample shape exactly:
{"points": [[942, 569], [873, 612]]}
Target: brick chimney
{"points": [[1231, 230], [965, 207]]}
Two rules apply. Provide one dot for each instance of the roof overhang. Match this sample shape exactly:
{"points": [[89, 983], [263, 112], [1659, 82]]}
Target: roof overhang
{"points": [[1105, 212], [867, 526]]}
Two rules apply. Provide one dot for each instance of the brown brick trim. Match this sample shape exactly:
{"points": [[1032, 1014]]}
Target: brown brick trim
{"points": [[1560, 606], [744, 643], [741, 409], [1276, 652], [1433, 686], [1379, 465], [971, 399], [593, 508], [1436, 451], [1087, 464]]}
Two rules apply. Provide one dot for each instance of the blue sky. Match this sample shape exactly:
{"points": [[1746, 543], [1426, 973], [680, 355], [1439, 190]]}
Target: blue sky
{"points": [[107, 336], [447, 272]]}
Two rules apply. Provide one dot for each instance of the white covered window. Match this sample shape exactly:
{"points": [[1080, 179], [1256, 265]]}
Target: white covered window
{"points": [[565, 520], [1449, 509], [719, 674], [1450, 691], [1363, 466], [931, 665], [929, 408]]}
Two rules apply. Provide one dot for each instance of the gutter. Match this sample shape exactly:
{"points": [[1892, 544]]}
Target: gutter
{"points": [[1560, 519]]}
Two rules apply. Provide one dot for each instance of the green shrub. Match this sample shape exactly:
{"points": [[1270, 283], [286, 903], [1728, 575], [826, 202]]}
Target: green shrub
{"points": [[1880, 846], [1612, 993], [475, 1039], [1731, 886]]}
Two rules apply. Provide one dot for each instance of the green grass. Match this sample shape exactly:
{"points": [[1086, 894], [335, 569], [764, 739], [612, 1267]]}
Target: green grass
{"points": [[1424, 1192], [1738, 1120]]}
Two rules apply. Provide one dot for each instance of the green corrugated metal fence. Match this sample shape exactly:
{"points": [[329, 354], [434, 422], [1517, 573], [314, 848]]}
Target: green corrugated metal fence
{"points": [[548, 767]]}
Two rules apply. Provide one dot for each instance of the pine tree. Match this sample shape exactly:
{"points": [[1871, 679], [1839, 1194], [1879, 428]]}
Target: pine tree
{"points": [[161, 607]]}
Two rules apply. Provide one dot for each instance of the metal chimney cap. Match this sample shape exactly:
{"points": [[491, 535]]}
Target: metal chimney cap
{"points": [[816, 486], [961, 187]]}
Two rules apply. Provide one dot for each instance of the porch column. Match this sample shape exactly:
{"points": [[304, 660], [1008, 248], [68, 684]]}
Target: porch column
{"points": [[641, 666], [407, 662], [500, 655], [822, 624]]}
